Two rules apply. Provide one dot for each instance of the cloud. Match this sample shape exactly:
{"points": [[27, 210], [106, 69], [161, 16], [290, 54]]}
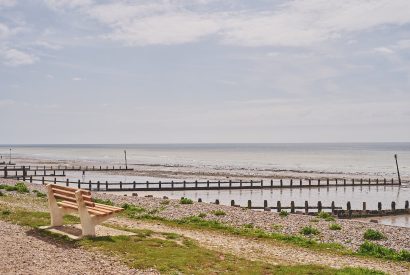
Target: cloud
{"points": [[57, 4], [4, 31], [296, 23], [14, 57], [383, 50], [48, 45], [76, 78], [7, 3], [6, 102]]}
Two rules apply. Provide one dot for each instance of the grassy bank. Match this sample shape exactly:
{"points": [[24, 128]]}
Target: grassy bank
{"points": [[167, 253]]}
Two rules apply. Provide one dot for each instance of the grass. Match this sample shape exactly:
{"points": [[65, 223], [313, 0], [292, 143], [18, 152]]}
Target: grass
{"points": [[218, 212], [20, 187], [335, 226], [325, 216], [186, 201], [102, 201], [131, 210], [173, 255], [202, 215], [379, 251], [39, 194], [372, 234], [308, 230], [164, 202], [283, 213]]}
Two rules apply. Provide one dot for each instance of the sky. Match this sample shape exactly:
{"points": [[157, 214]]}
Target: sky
{"points": [[204, 71]]}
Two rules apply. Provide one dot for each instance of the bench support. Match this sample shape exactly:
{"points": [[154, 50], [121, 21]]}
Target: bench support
{"points": [[88, 222], [57, 213]]}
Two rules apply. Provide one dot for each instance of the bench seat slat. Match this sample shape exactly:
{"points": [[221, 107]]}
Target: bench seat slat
{"points": [[59, 196], [91, 210], [108, 207], [71, 194], [70, 189]]}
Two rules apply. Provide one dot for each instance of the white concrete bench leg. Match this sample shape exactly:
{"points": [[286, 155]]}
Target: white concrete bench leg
{"points": [[55, 211], [88, 222]]}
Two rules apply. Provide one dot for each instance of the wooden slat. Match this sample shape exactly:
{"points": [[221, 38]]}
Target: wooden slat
{"points": [[109, 207], [67, 205], [66, 198], [85, 192], [94, 211], [64, 192], [102, 210]]}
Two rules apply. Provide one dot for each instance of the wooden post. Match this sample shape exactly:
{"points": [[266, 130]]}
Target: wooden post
{"points": [[319, 206], [134, 184], [370, 181], [55, 180], [281, 183], [147, 183], [251, 183], [336, 181], [98, 185], [42, 180], [159, 184], [216, 201], [292, 207], [31, 179], [332, 206], [249, 204], [106, 185], [392, 181], [184, 184], [291, 182], [406, 205], [377, 181], [5, 171], [79, 185], [310, 182], [240, 183], [318, 182], [348, 206], [261, 183], [361, 181], [120, 185], [279, 207], [379, 206], [271, 183], [232, 203], [327, 181], [384, 182], [364, 206], [300, 182], [306, 207], [207, 184], [265, 204], [393, 206], [344, 181], [398, 172], [67, 183], [199, 200], [89, 185], [352, 181]]}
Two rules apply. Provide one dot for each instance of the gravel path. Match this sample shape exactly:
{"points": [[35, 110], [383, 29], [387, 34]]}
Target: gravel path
{"points": [[24, 252], [270, 252]]}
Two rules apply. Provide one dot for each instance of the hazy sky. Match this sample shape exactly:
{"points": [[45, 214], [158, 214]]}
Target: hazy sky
{"points": [[84, 71]]}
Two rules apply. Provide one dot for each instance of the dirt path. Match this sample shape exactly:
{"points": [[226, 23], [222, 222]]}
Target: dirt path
{"points": [[25, 252], [270, 252]]}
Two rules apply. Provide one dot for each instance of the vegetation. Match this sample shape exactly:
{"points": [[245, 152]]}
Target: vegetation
{"points": [[131, 210], [164, 202], [379, 251], [326, 216], [202, 215], [20, 187], [144, 251], [283, 213], [335, 226], [1, 194], [372, 234], [308, 230], [39, 194], [218, 212], [102, 201], [186, 201]]}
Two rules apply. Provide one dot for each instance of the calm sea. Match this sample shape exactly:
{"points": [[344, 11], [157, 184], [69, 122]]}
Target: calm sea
{"points": [[355, 158]]}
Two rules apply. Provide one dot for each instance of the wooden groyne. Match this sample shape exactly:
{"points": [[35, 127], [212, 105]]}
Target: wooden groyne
{"points": [[67, 168], [338, 211], [209, 185]]}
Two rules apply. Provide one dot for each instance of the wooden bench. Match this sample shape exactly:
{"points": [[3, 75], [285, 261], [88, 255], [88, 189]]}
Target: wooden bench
{"points": [[64, 200]]}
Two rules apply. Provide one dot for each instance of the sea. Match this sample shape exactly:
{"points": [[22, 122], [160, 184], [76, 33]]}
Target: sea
{"points": [[341, 160]]}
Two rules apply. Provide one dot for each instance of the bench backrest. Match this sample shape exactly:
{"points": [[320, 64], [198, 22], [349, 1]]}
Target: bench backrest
{"points": [[68, 194]]}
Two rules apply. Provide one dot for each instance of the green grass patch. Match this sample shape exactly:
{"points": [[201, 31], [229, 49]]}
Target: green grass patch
{"points": [[379, 251], [372, 234], [20, 187], [325, 216], [165, 202], [31, 218], [218, 212], [39, 194], [335, 226], [186, 201], [283, 213], [132, 211], [308, 230], [102, 201]]}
